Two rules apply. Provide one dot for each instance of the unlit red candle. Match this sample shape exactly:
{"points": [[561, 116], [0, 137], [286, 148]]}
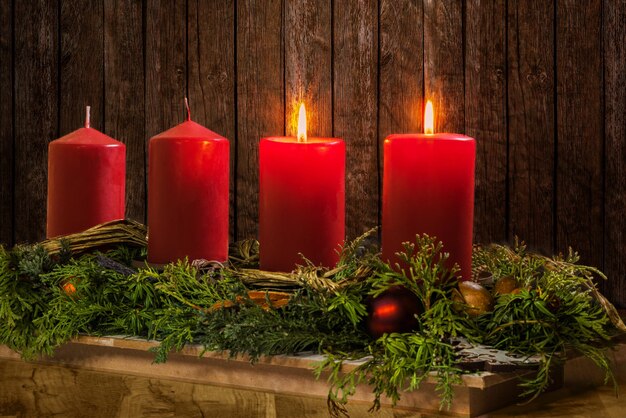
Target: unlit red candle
{"points": [[86, 181], [188, 194], [428, 187], [302, 200]]}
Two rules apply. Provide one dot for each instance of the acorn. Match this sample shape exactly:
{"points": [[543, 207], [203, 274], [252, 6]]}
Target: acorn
{"points": [[477, 299], [505, 285]]}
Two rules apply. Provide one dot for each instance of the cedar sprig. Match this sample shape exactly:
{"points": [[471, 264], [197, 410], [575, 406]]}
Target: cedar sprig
{"points": [[302, 325], [23, 296], [401, 362], [424, 271], [558, 310]]}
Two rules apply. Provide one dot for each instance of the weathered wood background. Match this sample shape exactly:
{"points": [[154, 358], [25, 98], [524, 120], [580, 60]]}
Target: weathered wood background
{"points": [[540, 84]]}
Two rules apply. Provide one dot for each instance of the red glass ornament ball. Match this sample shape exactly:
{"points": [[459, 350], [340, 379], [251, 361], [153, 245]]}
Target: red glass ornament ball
{"points": [[394, 310]]}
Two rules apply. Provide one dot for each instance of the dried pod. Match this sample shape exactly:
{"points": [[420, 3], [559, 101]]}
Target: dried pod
{"points": [[477, 299], [505, 285], [261, 298]]}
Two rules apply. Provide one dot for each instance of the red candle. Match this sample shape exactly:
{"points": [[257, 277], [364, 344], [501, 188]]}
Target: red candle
{"points": [[86, 180], [188, 194], [428, 187], [302, 200]]}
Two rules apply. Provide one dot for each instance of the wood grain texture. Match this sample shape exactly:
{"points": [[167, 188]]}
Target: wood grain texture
{"points": [[260, 99], [211, 70], [308, 68], [443, 63], [82, 64], [303, 407], [29, 390], [35, 390], [36, 111], [354, 108], [401, 68], [531, 122], [163, 398], [6, 122], [579, 129], [614, 41], [124, 107], [166, 65], [485, 114]]}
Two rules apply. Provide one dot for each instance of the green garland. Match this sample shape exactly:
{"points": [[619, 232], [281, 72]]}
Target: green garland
{"points": [[46, 300]]}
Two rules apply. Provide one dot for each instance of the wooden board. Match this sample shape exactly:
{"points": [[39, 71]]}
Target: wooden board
{"points": [[485, 114], [401, 66], [614, 20], [444, 63], [82, 64], [36, 112], [166, 65], [288, 375], [31, 389], [355, 91], [308, 66], [531, 125], [6, 122], [260, 99], [579, 116], [124, 107], [211, 76], [34, 390]]}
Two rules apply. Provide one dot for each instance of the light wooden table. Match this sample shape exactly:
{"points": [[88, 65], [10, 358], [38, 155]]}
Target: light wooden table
{"points": [[48, 390]]}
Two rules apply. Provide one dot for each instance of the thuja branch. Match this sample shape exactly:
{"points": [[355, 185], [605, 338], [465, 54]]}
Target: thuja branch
{"points": [[50, 294]]}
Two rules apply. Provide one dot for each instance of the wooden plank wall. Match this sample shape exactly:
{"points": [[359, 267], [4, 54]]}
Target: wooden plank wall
{"points": [[541, 87]]}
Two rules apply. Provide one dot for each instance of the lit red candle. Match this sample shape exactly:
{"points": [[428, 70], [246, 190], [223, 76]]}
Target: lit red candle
{"points": [[428, 187], [188, 194], [86, 180], [302, 199]]}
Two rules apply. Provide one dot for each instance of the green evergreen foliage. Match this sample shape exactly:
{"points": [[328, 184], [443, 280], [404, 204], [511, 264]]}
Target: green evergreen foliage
{"points": [[46, 301], [558, 309]]}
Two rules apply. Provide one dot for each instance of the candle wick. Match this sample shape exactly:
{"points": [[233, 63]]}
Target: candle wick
{"points": [[87, 116], [187, 107]]}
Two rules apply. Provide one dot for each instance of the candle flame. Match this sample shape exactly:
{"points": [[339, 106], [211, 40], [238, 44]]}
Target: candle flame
{"points": [[302, 124], [429, 118]]}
